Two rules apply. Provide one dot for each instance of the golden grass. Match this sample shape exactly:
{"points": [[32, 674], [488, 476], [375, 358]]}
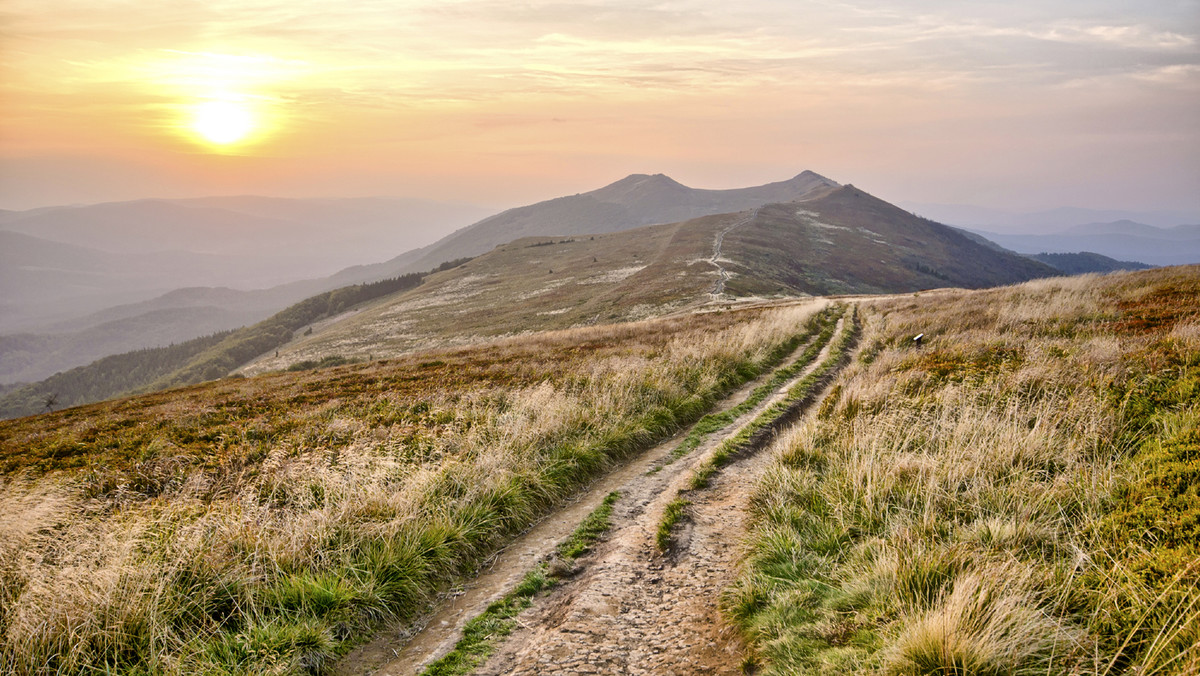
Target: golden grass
{"points": [[980, 505], [263, 525]]}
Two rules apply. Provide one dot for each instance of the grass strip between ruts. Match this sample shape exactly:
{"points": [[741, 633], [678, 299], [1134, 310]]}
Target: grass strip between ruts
{"points": [[482, 633], [765, 422]]}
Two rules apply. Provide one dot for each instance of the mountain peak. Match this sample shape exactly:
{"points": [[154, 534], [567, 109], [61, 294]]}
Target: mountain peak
{"points": [[638, 187], [808, 176], [643, 181]]}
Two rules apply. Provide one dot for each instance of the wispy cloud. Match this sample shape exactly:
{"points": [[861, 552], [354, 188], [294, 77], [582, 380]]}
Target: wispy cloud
{"points": [[402, 69]]}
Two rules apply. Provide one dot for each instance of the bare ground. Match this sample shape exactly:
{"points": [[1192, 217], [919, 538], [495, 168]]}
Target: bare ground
{"points": [[631, 609]]}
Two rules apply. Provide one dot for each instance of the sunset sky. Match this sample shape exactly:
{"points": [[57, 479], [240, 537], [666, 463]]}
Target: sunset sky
{"points": [[1018, 105]]}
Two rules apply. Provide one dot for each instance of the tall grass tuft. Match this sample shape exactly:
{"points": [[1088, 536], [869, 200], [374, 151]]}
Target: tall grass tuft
{"points": [[266, 524], [1016, 496]]}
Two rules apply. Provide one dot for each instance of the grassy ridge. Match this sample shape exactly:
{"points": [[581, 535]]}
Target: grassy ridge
{"points": [[265, 524], [1019, 497], [278, 329]]}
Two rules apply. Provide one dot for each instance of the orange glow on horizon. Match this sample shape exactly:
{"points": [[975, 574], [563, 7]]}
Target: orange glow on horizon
{"points": [[517, 101]]}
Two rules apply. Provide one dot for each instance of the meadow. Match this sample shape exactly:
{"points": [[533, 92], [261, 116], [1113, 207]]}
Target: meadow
{"points": [[268, 524], [1017, 496]]}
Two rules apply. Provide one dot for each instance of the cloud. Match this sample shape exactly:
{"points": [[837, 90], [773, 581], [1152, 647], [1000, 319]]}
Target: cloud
{"points": [[463, 71]]}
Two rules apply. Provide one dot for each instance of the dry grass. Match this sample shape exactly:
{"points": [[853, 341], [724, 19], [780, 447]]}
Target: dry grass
{"points": [[263, 525], [1011, 498], [532, 284]]}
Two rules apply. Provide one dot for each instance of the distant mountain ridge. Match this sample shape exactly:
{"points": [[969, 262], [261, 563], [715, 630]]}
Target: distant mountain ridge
{"points": [[130, 284], [832, 239], [634, 201], [836, 240], [136, 251], [1133, 228], [842, 240], [1121, 240], [1085, 261], [849, 241], [1045, 222]]}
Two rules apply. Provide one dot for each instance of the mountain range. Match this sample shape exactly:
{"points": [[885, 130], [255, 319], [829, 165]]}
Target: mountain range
{"points": [[1043, 222], [62, 263], [636, 200], [832, 240], [56, 288], [1122, 240], [845, 241]]}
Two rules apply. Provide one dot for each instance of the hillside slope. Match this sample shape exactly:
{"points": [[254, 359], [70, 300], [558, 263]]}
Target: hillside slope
{"points": [[851, 242], [61, 263], [173, 317], [841, 241], [631, 202], [54, 293], [43, 281], [1085, 262]]}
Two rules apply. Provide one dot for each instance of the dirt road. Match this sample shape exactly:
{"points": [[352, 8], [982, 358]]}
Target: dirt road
{"points": [[718, 242], [631, 609]]}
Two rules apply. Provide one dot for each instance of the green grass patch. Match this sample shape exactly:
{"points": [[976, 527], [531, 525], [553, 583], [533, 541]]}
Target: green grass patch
{"points": [[592, 529], [323, 362], [481, 634], [675, 511]]}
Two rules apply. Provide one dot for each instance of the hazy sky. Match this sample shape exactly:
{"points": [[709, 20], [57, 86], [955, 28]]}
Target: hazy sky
{"points": [[1024, 105]]}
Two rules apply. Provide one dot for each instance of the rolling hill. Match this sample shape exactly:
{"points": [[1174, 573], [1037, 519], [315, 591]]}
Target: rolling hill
{"points": [[634, 201], [837, 240], [174, 317], [1041, 222], [1085, 261], [851, 242], [841, 240], [44, 281], [75, 302]]}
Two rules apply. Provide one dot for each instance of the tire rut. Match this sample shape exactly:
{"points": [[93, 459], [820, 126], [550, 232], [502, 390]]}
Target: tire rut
{"points": [[634, 610]]}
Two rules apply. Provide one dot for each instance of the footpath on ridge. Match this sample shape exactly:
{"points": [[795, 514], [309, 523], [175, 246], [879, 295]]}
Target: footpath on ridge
{"points": [[631, 607], [715, 260]]}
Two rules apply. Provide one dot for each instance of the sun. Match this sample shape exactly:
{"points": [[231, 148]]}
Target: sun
{"points": [[223, 123]]}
